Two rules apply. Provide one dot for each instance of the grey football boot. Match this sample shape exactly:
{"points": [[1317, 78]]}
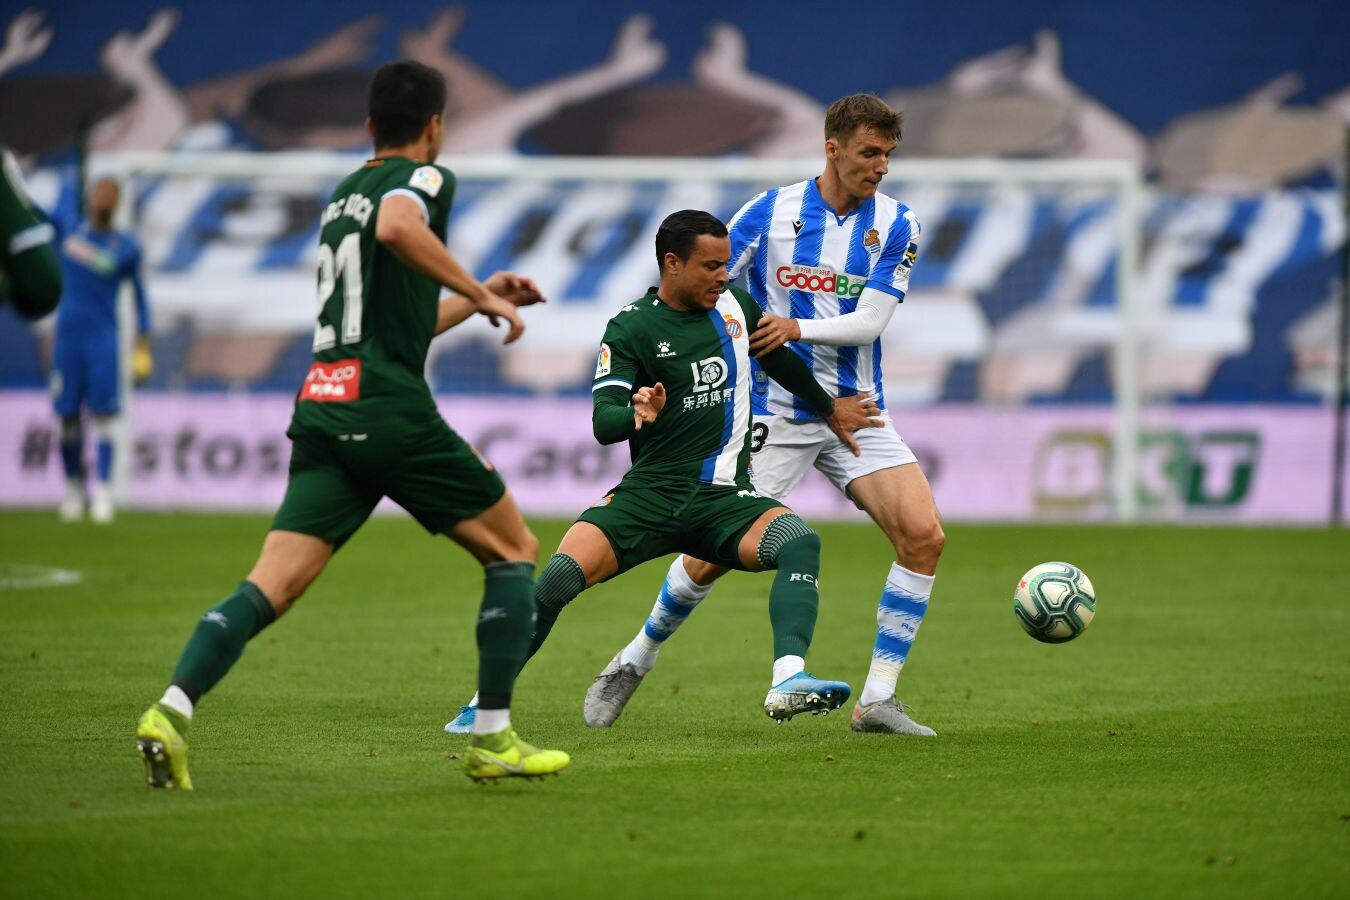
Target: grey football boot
{"points": [[888, 717], [609, 693]]}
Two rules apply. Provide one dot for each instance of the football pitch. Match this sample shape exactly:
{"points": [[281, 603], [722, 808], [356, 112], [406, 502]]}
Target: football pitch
{"points": [[1193, 743]]}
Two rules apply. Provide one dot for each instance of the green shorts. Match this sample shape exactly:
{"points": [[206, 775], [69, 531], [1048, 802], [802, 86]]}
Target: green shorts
{"points": [[702, 520], [335, 481]]}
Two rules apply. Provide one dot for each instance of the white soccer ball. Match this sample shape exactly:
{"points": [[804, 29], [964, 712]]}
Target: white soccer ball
{"points": [[1054, 602]]}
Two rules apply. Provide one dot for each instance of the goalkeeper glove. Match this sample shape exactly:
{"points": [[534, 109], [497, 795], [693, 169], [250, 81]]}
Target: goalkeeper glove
{"points": [[142, 363]]}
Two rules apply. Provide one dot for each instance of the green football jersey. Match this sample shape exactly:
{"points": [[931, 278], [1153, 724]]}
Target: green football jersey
{"points": [[376, 315], [702, 434]]}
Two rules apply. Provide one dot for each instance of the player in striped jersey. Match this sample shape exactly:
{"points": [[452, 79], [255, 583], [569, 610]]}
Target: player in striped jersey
{"points": [[828, 260]]}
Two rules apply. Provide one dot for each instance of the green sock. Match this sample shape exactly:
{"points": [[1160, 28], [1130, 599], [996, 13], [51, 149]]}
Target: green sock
{"points": [[505, 621], [558, 585], [219, 639], [794, 599]]}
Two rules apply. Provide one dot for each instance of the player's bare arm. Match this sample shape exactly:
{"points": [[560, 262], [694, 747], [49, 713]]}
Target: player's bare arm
{"points": [[516, 289], [401, 227], [647, 404]]}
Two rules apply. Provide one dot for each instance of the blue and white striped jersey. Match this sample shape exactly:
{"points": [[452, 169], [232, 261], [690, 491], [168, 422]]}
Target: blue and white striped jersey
{"points": [[801, 260]]}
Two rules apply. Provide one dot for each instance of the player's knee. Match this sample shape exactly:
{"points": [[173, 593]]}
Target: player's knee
{"points": [[922, 547], [559, 584], [526, 547], [788, 534], [701, 573]]}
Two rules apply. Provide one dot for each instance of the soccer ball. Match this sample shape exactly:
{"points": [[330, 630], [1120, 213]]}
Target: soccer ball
{"points": [[1054, 602]]}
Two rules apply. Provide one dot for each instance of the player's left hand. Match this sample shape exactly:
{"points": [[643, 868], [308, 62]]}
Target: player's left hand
{"points": [[647, 404], [515, 288], [772, 333], [142, 362], [852, 413]]}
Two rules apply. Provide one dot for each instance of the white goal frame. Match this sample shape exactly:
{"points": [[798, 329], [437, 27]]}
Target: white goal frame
{"points": [[1123, 177]]}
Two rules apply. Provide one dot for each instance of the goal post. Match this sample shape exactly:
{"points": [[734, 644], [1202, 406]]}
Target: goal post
{"points": [[1018, 258]]}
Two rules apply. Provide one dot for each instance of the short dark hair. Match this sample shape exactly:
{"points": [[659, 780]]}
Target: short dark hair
{"points": [[403, 97], [680, 231], [847, 114]]}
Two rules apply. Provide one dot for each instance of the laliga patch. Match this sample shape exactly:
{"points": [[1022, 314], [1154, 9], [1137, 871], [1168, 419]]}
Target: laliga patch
{"points": [[334, 382], [602, 362], [428, 180], [603, 501]]}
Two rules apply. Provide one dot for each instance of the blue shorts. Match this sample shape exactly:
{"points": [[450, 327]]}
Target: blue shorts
{"points": [[85, 372]]}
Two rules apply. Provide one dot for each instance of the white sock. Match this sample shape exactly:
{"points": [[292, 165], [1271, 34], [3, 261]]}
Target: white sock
{"points": [[491, 721], [784, 667], [677, 599], [176, 700], [474, 702], [903, 603]]}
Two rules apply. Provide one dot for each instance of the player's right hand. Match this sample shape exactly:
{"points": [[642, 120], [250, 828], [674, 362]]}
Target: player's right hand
{"points": [[517, 289], [496, 309], [647, 404]]}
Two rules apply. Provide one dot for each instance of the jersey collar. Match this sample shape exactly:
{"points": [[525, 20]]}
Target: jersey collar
{"points": [[814, 198]]}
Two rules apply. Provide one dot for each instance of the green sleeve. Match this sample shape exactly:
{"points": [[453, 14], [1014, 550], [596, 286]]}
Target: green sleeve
{"points": [[30, 274], [787, 368], [784, 366], [612, 415]]}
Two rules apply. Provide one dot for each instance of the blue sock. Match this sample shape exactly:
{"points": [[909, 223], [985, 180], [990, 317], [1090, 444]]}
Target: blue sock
{"points": [[904, 601], [679, 595]]}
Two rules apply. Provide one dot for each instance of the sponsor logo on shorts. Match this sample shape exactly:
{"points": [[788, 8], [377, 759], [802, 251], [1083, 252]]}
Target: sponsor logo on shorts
{"points": [[734, 328], [749, 494], [335, 382]]}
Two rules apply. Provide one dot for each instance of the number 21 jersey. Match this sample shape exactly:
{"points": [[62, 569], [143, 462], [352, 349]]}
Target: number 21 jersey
{"points": [[376, 315]]}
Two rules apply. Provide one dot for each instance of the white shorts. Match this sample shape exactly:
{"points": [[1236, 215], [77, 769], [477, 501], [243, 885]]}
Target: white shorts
{"points": [[783, 450]]}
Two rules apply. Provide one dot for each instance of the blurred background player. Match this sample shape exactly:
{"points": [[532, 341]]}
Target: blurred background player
{"points": [[673, 378], [30, 276], [829, 260], [96, 259], [366, 427]]}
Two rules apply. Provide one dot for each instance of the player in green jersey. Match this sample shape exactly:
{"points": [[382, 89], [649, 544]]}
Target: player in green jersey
{"points": [[30, 274], [365, 427], [673, 376]]}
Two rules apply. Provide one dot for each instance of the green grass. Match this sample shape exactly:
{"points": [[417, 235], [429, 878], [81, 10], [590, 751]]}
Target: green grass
{"points": [[1192, 744]]}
